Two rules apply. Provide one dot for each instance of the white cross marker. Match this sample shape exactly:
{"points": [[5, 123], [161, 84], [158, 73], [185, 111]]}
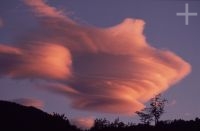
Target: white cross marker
{"points": [[186, 14]]}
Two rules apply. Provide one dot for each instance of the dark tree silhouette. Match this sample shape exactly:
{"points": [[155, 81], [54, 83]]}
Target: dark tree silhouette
{"points": [[157, 105], [101, 123], [145, 118], [117, 123], [59, 116], [153, 112]]}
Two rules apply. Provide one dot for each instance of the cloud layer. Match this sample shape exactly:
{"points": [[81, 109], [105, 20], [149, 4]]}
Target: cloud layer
{"points": [[111, 70], [83, 123], [29, 102], [38, 60]]}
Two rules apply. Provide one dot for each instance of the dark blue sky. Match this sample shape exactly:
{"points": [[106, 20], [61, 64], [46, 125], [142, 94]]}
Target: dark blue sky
{"points": [[163, 29]]}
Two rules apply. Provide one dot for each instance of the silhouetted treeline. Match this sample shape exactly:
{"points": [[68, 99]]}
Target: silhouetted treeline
{"points": [[17, 117], [174, 125]]}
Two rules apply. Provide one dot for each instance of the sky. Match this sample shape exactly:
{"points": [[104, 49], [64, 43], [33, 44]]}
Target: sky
{"points": [[91, 59]]}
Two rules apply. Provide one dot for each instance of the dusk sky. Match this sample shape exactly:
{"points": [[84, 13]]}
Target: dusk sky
{"points": [[91, 59]]}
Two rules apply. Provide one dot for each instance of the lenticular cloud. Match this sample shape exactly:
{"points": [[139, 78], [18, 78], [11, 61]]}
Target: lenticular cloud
{"points": [[111, 70]]}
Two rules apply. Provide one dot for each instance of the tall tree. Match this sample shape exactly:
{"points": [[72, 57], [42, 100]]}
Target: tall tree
{"points": [[157, 105], [153, 112]]}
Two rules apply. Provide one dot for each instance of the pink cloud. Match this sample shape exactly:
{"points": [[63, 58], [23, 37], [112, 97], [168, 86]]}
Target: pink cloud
{"points": [[83, 123], [42, 60], [30, 102], [9, 50], [111, 70], [41, 8]]}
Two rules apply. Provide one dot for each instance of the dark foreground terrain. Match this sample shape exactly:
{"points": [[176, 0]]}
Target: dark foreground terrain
{"points": [[17, 117]]}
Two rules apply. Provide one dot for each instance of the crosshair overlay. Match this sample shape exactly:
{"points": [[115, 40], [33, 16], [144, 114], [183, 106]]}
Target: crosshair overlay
{"points": [[186, 14]]}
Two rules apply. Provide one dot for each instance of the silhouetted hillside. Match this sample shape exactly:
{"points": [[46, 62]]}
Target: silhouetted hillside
{"points": [[17, 117]]}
